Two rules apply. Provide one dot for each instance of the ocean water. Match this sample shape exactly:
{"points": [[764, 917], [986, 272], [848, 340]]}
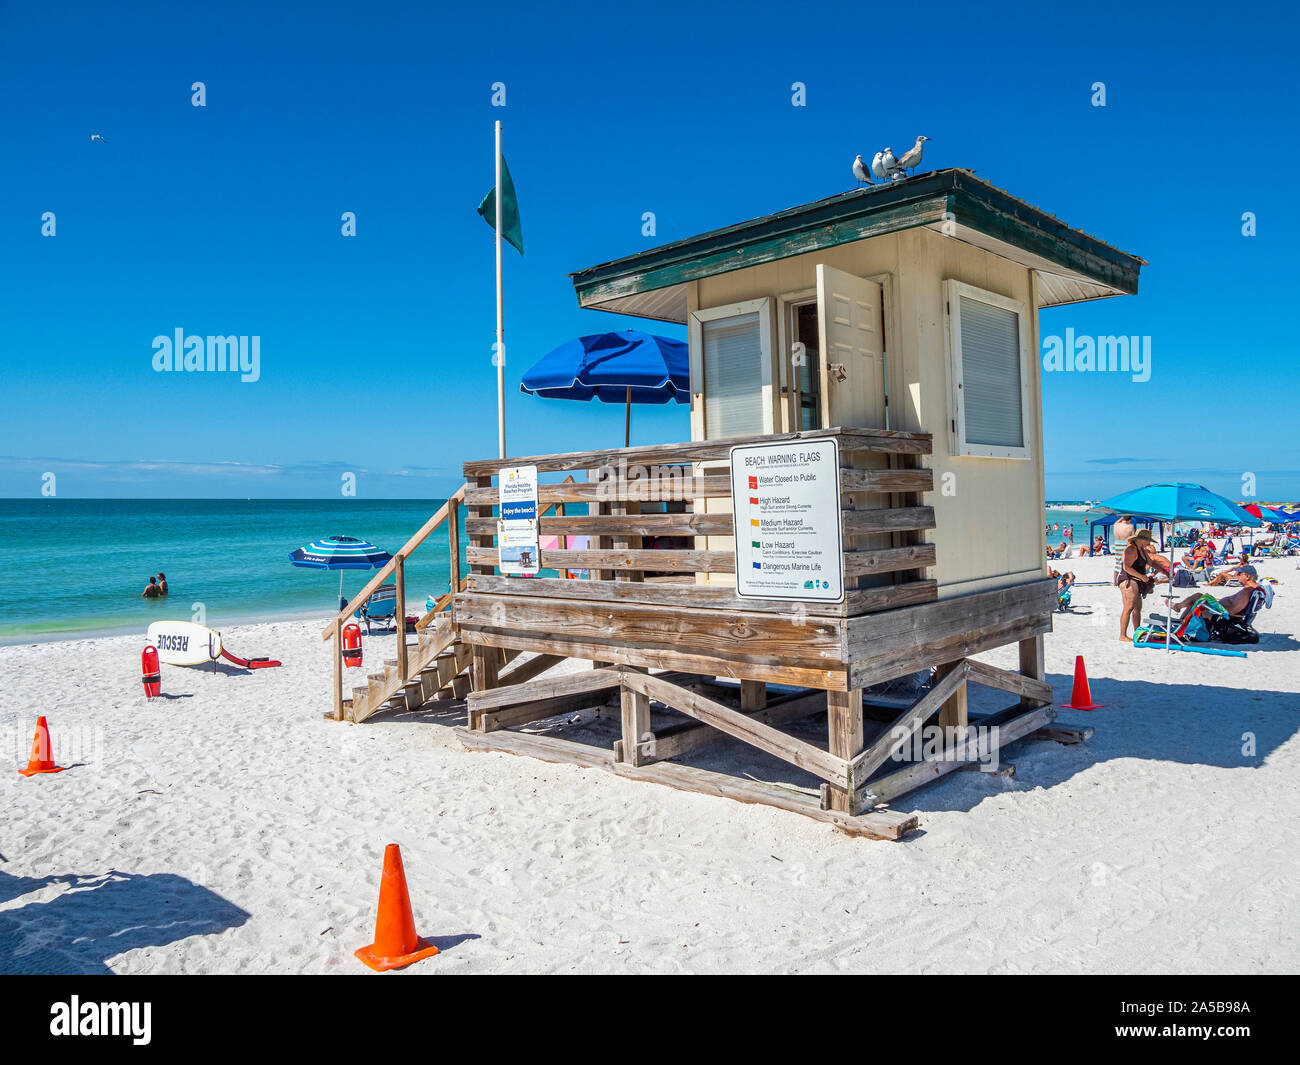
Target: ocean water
{"points": [[73, 566], [76, 566]]}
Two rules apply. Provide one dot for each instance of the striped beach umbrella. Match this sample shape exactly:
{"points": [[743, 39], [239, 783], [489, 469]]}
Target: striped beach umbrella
{"points": [[340, 553]]}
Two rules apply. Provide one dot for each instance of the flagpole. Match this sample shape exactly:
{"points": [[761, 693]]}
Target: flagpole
{"points": [[501, 326]]}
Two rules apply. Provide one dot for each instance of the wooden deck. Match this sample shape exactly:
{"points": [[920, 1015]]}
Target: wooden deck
{"points": [[675, 662]]}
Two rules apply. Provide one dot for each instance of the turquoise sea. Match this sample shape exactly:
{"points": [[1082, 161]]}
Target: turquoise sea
{"points": [[73, 566], [77, 566]]}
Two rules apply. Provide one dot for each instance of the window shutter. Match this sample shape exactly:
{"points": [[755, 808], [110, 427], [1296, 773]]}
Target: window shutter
{"points": [[733, 374], [990, 374]]}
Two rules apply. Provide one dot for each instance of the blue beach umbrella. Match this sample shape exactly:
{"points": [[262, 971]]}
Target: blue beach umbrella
{"points": [[340, 553], [623, 367], [1177, 502]]}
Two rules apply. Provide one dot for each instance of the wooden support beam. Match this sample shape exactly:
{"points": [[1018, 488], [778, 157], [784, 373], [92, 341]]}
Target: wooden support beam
{"points": [[1027, 687], [878, 824], [753, 695], [676, 740], [654, 658], [399, 577], [635, 707], [569, 684], [844, 723], [484, 668], [534, 667], [830, 768], [337, 650], [900, 731], [910, 777], [952, 714], [535, 710], [1032, 665]]}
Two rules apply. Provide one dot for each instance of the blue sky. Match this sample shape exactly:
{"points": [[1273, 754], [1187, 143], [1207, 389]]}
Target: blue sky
{"points": [[376, 350]]}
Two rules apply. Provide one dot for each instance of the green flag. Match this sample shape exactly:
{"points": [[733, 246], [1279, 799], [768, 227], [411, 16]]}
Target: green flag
{"points": [[510, 228]]}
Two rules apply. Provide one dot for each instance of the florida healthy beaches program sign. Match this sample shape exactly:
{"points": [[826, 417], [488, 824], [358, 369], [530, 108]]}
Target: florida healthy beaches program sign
{"points": [[785, 501], [517, 539]]}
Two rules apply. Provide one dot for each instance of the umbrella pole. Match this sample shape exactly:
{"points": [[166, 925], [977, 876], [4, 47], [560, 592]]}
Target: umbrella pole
{"points": [[627, 422]]}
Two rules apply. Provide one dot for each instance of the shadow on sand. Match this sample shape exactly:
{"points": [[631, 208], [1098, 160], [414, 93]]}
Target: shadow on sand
{"points": [[96, 917]]}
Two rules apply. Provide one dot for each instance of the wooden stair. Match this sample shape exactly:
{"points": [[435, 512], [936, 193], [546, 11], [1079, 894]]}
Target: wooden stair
{"points": [[437, 669]]}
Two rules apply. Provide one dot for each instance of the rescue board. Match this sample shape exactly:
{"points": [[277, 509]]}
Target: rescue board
{"points": [[183, 643]]}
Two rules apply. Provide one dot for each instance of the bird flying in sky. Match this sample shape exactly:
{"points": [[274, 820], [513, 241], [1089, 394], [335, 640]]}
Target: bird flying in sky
{"points": [[97, 137]]}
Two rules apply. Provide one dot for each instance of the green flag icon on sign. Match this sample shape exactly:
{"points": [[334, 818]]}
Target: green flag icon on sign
{"points": [[510, 228]]}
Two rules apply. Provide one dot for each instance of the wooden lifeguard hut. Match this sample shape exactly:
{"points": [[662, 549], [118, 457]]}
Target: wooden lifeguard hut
{"points": [[861, 500]]}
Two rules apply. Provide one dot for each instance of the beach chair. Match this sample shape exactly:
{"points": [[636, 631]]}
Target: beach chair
{"points": [[1063, 599], [380, 608]]}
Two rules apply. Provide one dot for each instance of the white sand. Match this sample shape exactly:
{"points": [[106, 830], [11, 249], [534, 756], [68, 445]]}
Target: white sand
{"points": [[230, 828]]}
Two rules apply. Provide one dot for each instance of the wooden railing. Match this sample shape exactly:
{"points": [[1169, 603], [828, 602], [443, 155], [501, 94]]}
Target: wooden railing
{"points": [[881, 484], [449, 512]]}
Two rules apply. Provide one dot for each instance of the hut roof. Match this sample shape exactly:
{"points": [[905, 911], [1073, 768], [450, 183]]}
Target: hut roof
{"points": [[1072, 266]]}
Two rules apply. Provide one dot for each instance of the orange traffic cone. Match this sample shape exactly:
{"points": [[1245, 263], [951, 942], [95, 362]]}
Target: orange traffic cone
{"points": [[1081, 696], [42, 759], [396, 945]]}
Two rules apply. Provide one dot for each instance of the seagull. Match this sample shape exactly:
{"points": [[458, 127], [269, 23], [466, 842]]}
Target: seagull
{"points": [[97, 137], [888, 161], [860, 171], [877, 167], [912, 159]]}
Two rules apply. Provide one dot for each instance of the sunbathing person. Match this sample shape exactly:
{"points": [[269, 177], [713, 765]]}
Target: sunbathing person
{"points": [[1236, 603]]}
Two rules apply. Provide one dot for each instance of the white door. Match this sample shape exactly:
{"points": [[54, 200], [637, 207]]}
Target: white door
{"points": [[850, 314]]}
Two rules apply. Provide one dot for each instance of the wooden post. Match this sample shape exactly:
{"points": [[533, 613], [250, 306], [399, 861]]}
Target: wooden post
{"points": [[1032, 663], [484, 667], [338, 669], [952, 714], [482, 512], [453, 544], [753, 695], [399, 574], [636, 723], [844, 716]]}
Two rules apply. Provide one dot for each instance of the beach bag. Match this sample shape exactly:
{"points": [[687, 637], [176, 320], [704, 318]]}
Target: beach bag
{"points": [[1184, 578], [1197, 630], [1232, 630]]}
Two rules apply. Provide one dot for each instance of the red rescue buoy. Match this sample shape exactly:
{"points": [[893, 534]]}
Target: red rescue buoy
{"points": [[352, 644], [149, 668]]}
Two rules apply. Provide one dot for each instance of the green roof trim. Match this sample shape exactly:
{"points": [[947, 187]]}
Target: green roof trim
{"points": [[858, 215]]}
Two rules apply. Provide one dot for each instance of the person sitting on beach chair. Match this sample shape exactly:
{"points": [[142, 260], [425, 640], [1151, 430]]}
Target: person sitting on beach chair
{"points": [[380, 608], [1064, 587], [1242, 604]]}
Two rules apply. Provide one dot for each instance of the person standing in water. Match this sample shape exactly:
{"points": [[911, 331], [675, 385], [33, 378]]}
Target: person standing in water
{"points": [[151, 590], [162, 583]]}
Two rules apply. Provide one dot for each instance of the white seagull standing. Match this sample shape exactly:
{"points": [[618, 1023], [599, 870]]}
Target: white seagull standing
{"points": [[912, 159], [878, 167], [889, 163], [860, 171]]}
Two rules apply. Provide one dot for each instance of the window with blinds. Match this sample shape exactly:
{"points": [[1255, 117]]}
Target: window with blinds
{"points": [[988, 373], [732, 350]]}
